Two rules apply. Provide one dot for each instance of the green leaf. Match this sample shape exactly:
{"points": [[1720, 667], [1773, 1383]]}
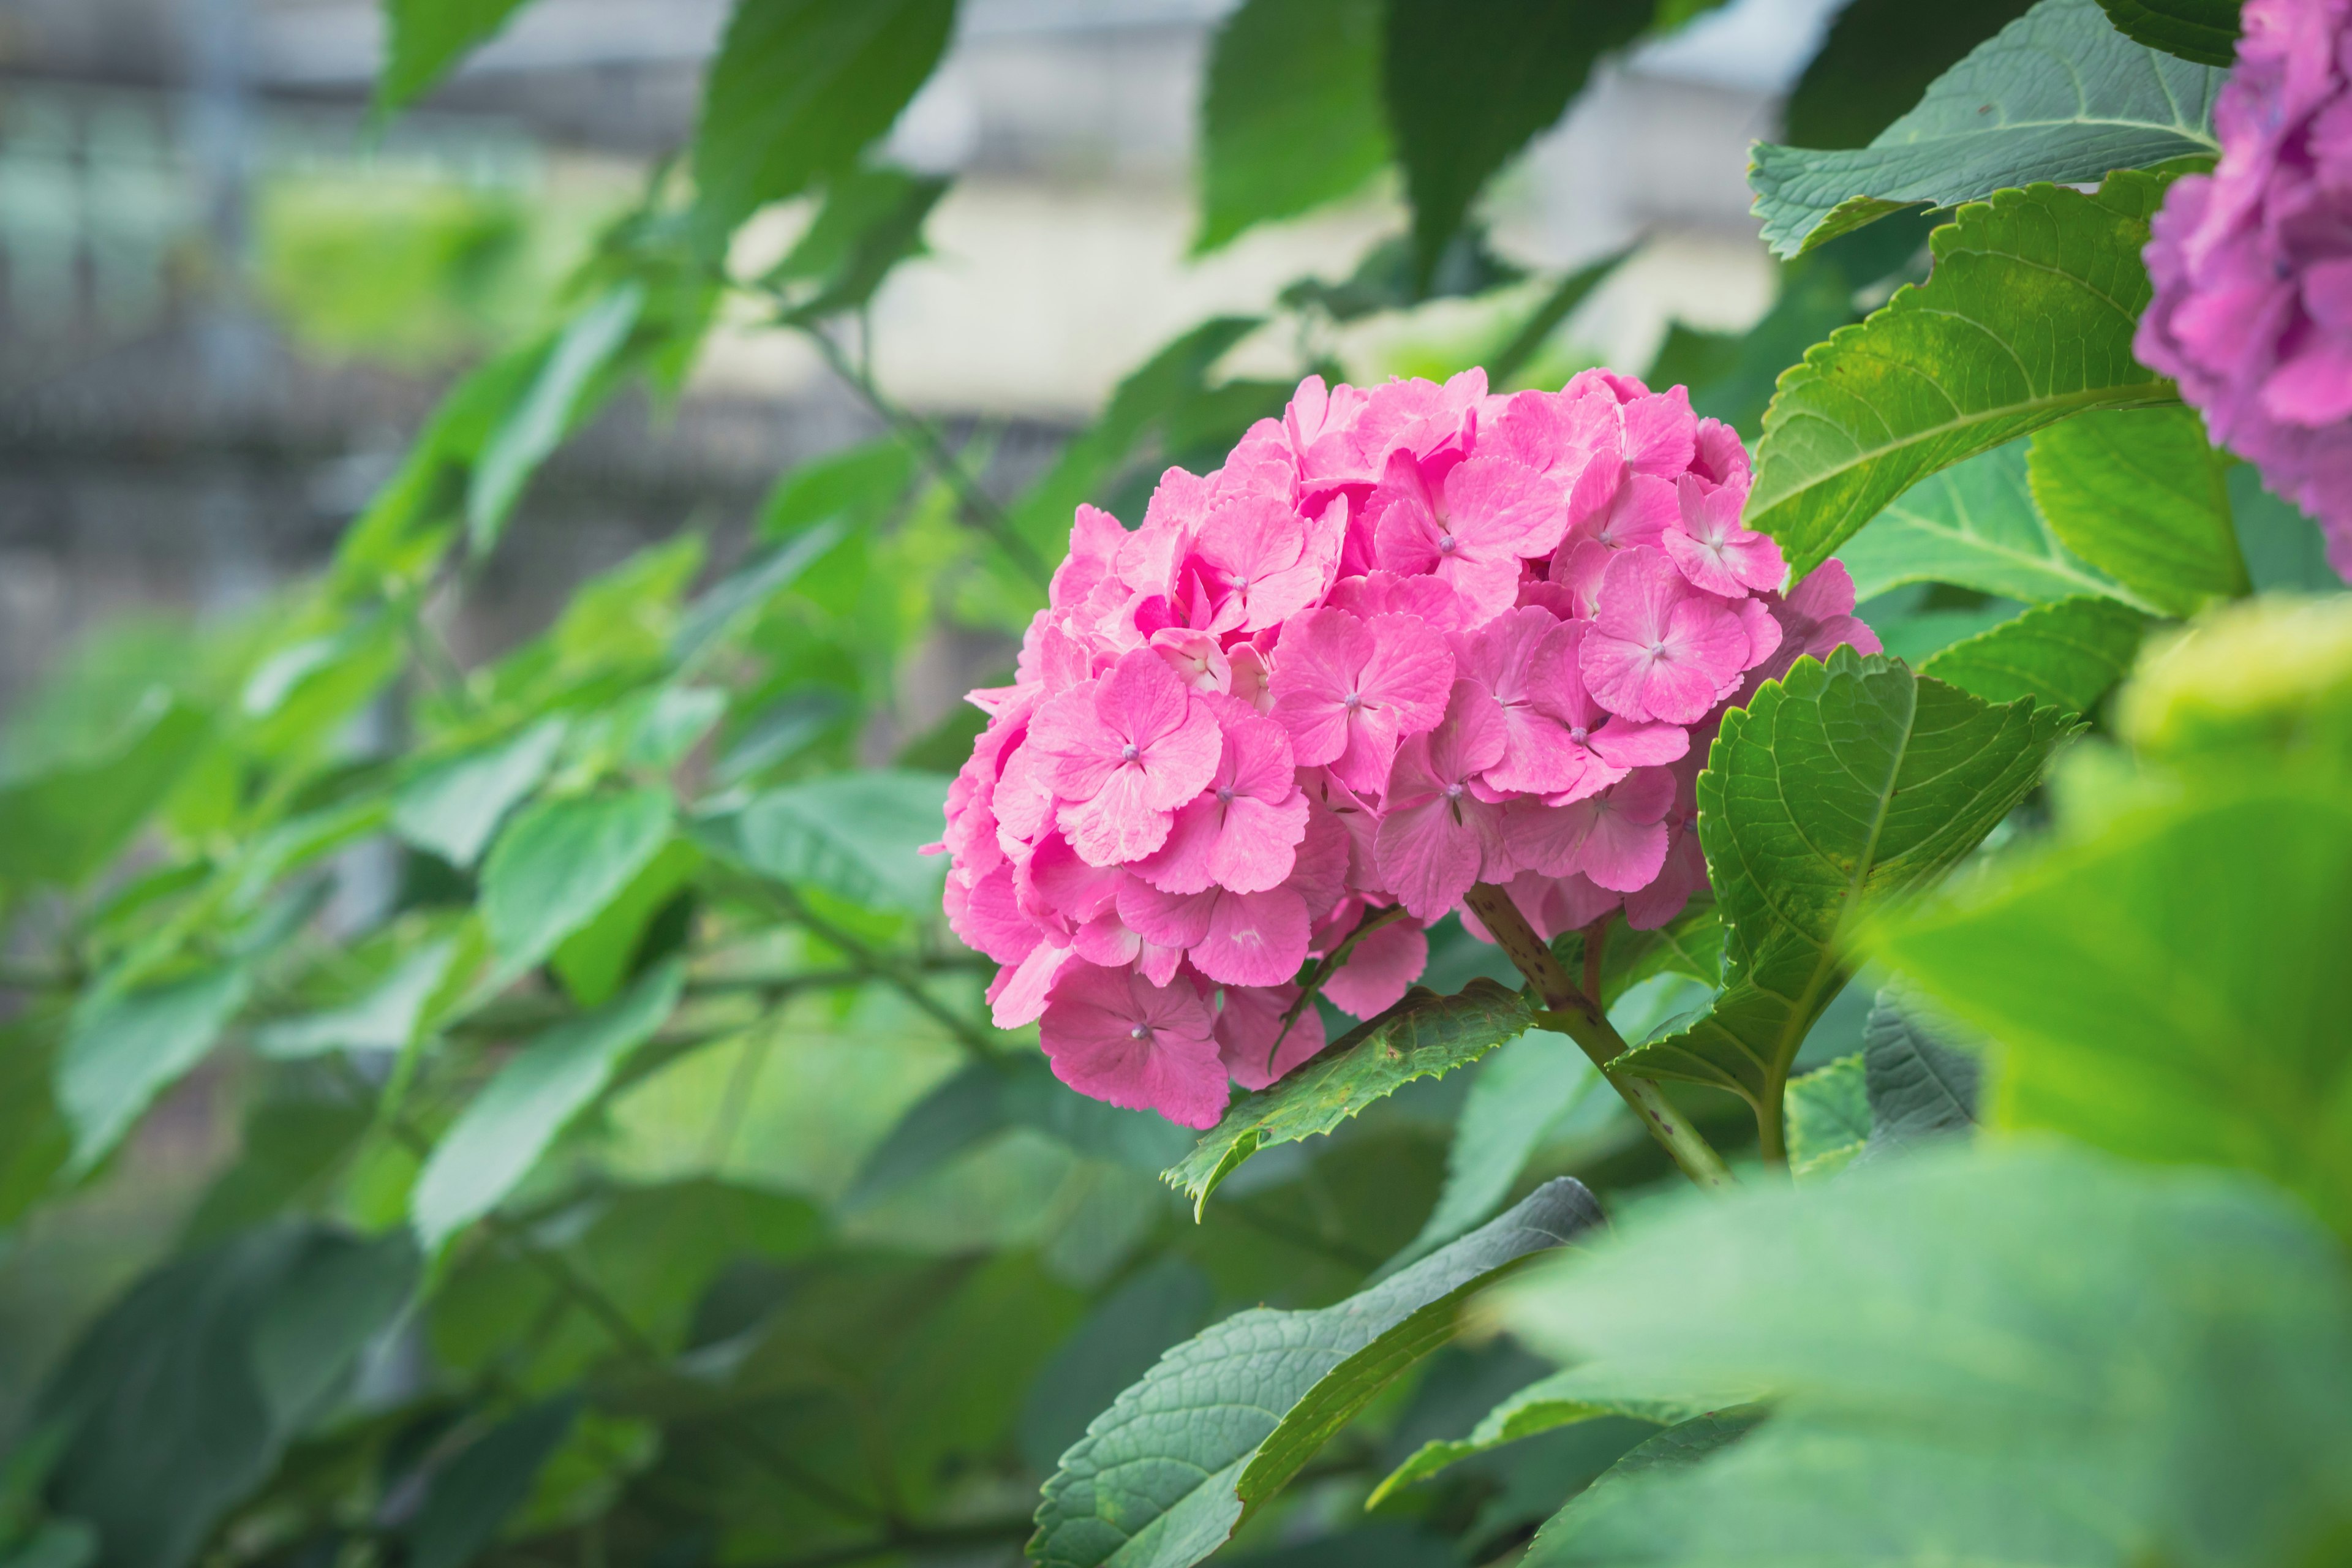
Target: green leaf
{"points": [[559, 396], [1587, 1393], [1921, 1086], [2170, 989], [1423, 1035], [857, 835], [428, 37], [1827, 1116], [1519, 1093], [1878, 59], [1678, 1447], [1836, 788], [63, 823], [385, 1019], [2142, 496], [1291, 115], [472, 1494], [1161, 1303], [2205, 31], [2066, 655], [1975, 525], [2033, 1355], [1467, 86], [452, 810], [872, 219], [2027, 318], [504, 1130], [596, 960], [124, 1048], [1162, 1476], [180, 1398], [560, 863], [2058, 96], [799, 87], [739, 597], [860, 483], [35, 1141]]}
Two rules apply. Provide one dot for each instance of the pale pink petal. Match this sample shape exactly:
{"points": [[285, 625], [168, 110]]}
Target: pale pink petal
{"points": [[1316, 667], [1380, 970], [1167, 919], [987, 916], [1250, 1036], [1120, 824], [1429, 855], [1254, 939], [1257, 842], [1018, 996], [1622, 744], [1661, 433], [1684, 873], [1117, 1037], [1504, 510], [1627, 842]]}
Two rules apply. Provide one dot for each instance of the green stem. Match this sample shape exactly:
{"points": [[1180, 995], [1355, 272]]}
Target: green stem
{"points": [[1771, 1131], [1581, 1017]]}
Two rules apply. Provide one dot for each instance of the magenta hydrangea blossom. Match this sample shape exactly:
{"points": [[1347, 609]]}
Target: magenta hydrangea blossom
{"points": [[1407, 639], [2253, 264]]}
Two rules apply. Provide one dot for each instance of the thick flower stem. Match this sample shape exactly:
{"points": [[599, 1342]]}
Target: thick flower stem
{"points": [[1580, 1016]]}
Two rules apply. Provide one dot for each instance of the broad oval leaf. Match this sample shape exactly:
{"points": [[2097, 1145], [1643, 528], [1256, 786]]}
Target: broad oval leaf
{"points": [[2057, 95], [2205, 31], [2067, 655], [1163, 1475], [429, 37], [560, 863], [1921, 1085], [1678, 1447], [1423, 1035], [1837, 788], [2142, 496], [452, 808], [2027, 318], [561, 394], [857, 835], [124, 1048], [1827, 1116], [1290, 118], [62, 823]]}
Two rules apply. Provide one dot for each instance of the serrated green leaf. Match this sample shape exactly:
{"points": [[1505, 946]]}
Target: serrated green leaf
{"points": [[1290, 118], [2170, 989], [452, 809], [561, 862], [1879, 58], [124, 1048], [427, 37], [1163, 1475], [64, 822], [1127, 1332], [2142, 496], [1678, 1447], [856, 834], [1836, 788], [1422, 1037], [2058, 95], [1976, 1355], [1921, 1085], [2027, 318], [504, 1130], [2205, 31], [1585, 1392], [1827, 1116], [2066, 655], [1974, 525], [799, 88]]}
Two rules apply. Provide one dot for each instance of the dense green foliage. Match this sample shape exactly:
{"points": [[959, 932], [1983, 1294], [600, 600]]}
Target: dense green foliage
{"points": [[639, 1181]]}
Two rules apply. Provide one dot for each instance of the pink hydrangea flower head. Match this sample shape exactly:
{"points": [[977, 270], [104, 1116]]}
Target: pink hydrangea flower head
{"points": [[1404, 640], [2253, 264]]}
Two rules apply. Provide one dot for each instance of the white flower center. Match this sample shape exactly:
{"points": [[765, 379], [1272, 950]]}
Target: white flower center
{"points": [[1445, 544], [1352, 701], [1453, 792], [1579, 733], [1128, 752], [1140, 1031]]}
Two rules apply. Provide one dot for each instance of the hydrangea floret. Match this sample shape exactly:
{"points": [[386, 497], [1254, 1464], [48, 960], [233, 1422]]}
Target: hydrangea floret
{"points": [[2253, 264], [1405, 641]]}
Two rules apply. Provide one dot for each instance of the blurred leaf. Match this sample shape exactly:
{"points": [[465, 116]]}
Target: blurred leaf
{"points": [[1963, 362], [629, 615], [1678, 1447], [63, 823], [1837, 788], [180, 1398], [385, 1019], [453, 809], [2033, 1355], [2205, 31], [401, 534], [1504, 365], [1518, 1094], [872, 219], [1879, 57], [124, 1048], [289, 1149], [2066, 655], [34, 1138], [504, 1129], [596, 960], [675, 723], [1827, 1116], [2057, 96], [1921, 1087], [799, 87], [472, 1495], [1224, 1419], [855, 834], [860, 482], [1290, 118], [788, 726], [427, 37], [1128, 1329], [1467, 88], [558, 400], [741, 595], [2140, 496], [1384, 280], [1974, 525], [559, 865], [1424, 1035], [1588, 1393], [2167, 990], [55, 1543]]}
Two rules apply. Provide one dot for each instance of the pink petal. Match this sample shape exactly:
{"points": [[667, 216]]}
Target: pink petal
{"points": [[1431, 853], [1503, 510], [1119, 1038], [1120, 824], [1409, 671], [1257, 842], [1379, 971], [1622, 744], [1249, 1027], [1254, 939], [987, 916], [1168, 919], [1315, 665], [1018, 996]]}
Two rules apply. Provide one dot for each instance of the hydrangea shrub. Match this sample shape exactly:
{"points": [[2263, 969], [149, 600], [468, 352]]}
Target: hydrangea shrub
{"points": [[1406, 640]]}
